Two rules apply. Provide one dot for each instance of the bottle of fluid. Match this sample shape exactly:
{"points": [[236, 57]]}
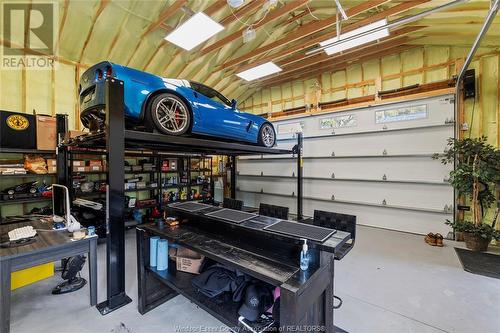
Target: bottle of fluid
{"points": [[304, 257]]}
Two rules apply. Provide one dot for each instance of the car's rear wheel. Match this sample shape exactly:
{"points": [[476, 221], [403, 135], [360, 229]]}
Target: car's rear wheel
{"points": [[170, 114], [267, 137]]}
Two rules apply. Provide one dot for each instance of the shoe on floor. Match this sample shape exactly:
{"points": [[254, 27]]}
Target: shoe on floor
{"points": [[439, 240], [431, 239]]}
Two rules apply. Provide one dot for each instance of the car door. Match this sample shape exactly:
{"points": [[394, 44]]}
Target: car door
{"points": [[218, 118]]}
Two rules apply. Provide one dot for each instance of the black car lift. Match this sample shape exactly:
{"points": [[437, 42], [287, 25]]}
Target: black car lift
{"points": [[115, 139]]}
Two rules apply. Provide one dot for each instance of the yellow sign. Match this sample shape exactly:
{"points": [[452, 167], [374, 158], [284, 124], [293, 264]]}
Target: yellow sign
{"points": [[17, 122]]}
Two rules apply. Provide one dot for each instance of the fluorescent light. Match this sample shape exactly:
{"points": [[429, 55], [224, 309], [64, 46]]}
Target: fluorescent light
{"points": [[257, 72], [197, 29], [356, 41]]}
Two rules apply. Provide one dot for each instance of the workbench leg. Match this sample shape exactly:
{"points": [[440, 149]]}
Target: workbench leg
{"points": [[5, 296], [93, 272], [329, 259]]}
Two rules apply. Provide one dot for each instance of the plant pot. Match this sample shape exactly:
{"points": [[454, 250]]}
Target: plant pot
{"points": [[476, 243], [459, 236]]}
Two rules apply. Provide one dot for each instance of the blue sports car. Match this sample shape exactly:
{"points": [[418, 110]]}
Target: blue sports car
{"points": [[171, 106]]}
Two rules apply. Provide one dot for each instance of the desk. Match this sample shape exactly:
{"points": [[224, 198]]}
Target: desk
{"points": [[50, 246], [306, 296]]}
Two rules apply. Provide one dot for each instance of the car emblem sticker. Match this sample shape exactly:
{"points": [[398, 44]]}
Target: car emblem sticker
{"points": [[17, 122]]}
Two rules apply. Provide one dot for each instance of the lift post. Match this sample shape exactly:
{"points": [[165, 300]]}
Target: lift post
{"points": [[300, 169], [115, 241]]}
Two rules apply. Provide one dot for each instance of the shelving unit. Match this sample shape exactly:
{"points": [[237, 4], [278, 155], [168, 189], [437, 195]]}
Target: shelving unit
{"points": [[115, 140], [18, 154]]}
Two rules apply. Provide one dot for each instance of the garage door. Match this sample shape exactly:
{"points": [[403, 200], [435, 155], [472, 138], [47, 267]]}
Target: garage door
{"points": [[372, 162]]}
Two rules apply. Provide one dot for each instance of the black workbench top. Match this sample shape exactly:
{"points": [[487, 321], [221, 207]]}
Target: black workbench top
{"points": [[335, 241]]}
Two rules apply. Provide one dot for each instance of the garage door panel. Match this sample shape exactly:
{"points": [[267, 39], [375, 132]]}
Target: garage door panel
{"points": [[410, 195], [425, 169], [423, 141], [283, 168], [439, 111], [381, 164]]}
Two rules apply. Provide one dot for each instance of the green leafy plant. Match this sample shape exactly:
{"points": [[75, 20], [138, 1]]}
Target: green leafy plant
{"points": [[476, 173], [485, 231]]}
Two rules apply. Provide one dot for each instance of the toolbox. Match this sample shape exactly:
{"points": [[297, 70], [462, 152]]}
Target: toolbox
{"points": [[17, 130]]}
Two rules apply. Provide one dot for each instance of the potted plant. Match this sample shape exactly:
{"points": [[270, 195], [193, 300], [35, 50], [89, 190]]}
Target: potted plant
{"points": [[475, 176]]}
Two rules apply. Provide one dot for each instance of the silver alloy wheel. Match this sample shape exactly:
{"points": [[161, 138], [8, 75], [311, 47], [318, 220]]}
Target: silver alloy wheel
{"points": [[172, 115], [267, 135]]}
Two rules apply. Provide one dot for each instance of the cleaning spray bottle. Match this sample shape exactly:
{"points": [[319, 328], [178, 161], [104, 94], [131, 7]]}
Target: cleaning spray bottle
{"points": [[304, 257]]}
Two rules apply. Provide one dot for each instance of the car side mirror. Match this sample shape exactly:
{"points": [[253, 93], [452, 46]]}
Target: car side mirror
{"points": [[233, 104]]}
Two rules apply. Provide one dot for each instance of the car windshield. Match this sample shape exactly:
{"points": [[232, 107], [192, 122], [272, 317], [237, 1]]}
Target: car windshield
{"points": [[213, 94]]}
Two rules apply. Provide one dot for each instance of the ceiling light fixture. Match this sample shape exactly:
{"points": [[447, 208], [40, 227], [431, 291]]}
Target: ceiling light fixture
{"points": [[353, 42], [257, 72], [248, 34], [197, 29], [235, 3]]}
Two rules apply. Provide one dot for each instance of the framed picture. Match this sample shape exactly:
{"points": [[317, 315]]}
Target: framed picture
{"points": [[348, 120], [401, 114]]}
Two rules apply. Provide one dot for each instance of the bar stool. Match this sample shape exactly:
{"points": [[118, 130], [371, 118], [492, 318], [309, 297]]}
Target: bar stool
{"points": [[232, 204], [278, 212]]}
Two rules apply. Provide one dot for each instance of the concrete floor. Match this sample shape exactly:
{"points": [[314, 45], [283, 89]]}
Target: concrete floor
{"points": [[390, 282]]}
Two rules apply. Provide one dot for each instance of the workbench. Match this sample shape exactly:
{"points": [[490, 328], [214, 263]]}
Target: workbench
{"points": [[50, 246], [306, 296]]}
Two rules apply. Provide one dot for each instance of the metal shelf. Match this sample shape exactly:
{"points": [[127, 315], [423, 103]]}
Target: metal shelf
{"points": [[168, 143], [26, 151], [23, 201], [358, 203], [339, 157], [26, 175], [145, 189], [415, 182], [371, 132], [88, 173]]}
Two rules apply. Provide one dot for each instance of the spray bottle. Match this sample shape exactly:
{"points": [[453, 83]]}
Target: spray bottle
{"points": [[304, 257]]}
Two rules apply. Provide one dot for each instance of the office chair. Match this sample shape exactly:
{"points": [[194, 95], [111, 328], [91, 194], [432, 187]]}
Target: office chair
{"points": [[232, 204], [278, 212]]}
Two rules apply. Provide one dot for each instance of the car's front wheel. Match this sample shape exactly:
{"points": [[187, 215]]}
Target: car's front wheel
{"points": [[267, 137], [170, 114]]}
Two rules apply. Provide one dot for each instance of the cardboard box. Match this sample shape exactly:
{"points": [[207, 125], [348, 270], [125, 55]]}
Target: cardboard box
{"points": [[46, 133], [73, 134], [95, 168], [17, 130], [78, 168], [51, 162], [95, 163], [52, 169], [78, 163], [187, 260]]}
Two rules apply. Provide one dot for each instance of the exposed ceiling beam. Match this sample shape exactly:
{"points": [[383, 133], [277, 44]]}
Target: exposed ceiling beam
{"points": [[119, 32], [314, 41], [299, 61], [334, 61], [61, 25], [215, 7], [165, 15], [303, 32], [271, 16], [102, 6], [248, 8]]}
